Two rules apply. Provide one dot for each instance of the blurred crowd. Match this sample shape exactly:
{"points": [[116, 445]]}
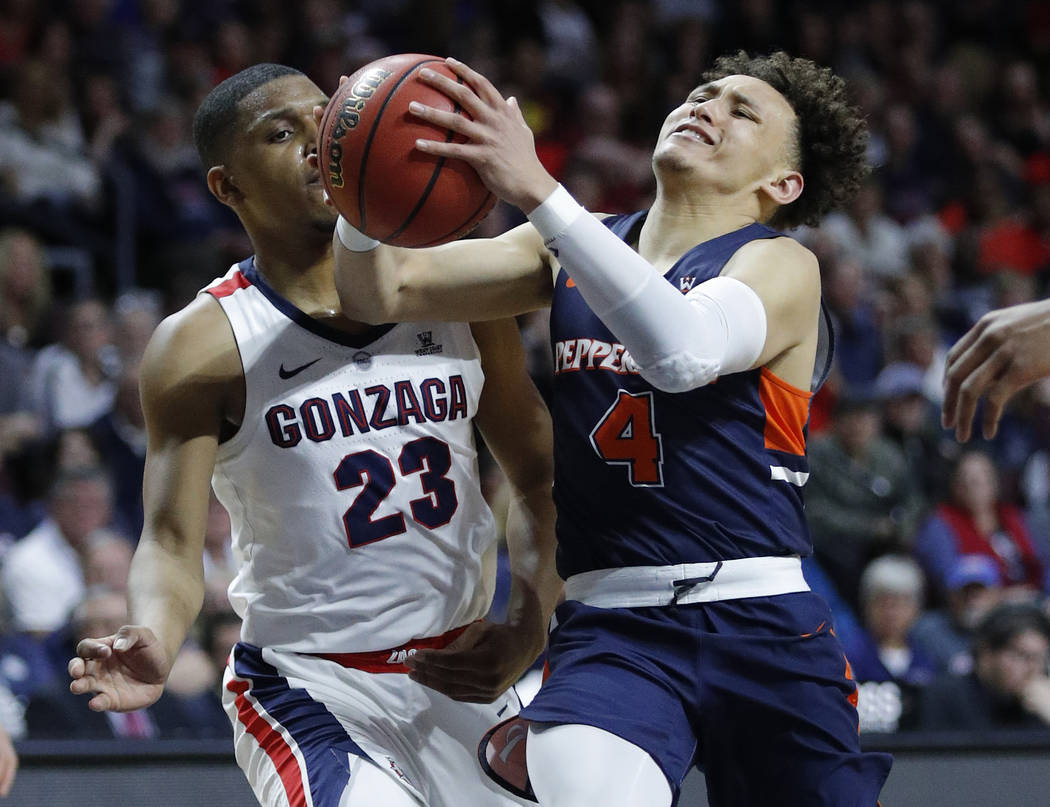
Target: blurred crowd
{"points": [[935, 556]]}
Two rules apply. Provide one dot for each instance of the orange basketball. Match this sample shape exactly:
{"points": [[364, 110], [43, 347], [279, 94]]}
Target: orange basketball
{"points": [[376, 177]]}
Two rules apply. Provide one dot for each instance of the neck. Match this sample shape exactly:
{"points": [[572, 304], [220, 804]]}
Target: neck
{"points": [[679, 221], [303, 272], [299, 269]]}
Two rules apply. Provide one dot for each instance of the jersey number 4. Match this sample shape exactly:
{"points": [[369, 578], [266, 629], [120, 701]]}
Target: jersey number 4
{"points": [[428, 457], [627, 435]]}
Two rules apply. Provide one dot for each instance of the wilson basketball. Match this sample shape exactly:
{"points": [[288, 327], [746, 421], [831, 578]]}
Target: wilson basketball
{"points": [[374, 175]]}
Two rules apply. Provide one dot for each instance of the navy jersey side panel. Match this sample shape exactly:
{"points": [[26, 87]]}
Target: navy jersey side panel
{"points": [[645, 477]]}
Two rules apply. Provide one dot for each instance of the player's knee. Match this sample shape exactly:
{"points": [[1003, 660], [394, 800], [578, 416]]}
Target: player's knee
{"points": [[580, 766]]}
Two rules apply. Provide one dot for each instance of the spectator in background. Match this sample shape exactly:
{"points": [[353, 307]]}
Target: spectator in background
{"points": [[107, 560], [889, 666], [974, 587], [910, 423], [136, 315], [43, 155], [1008, 687], [43, 574], [71, 382], [917, 340], [119, 436], [25, 292], [974, 519], [858, 339], [220, 565], [863, 233], [623, 170], [25, 297], [860, 499]]}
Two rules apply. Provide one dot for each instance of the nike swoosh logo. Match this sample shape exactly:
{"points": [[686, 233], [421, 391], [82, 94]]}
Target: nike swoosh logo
{"points": [[286, 374]]}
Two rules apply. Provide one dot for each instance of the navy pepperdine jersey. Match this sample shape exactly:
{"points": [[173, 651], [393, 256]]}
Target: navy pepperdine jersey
{"points": [[644, 477]]}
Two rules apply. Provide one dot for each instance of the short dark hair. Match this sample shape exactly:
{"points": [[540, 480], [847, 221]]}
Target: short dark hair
{"points": [[217, 114], [832, 133], [1006, 622]]}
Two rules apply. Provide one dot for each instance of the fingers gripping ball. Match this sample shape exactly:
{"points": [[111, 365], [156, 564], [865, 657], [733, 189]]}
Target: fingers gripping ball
{"points": [[374, 175]]}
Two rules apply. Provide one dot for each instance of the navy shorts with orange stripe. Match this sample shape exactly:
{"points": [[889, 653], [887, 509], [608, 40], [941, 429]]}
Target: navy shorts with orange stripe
{"points": [[755, 691]]}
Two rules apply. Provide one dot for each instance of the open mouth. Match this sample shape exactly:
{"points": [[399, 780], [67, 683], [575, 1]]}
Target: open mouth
{"points": [[696, 132]]}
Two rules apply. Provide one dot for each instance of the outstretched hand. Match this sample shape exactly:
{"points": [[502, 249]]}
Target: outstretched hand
{"points": [[1003, 353], [499, 145], [126, 670], [479, 666]]}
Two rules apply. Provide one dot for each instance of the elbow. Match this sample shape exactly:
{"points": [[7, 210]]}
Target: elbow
{"points": [[372, 307], [360, 309], [680, 372]]}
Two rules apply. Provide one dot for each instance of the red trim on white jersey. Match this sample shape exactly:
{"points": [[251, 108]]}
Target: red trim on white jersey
{"points": [[228, 287]]}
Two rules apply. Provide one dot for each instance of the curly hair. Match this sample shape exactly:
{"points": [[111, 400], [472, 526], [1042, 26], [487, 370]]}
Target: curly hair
{"points": [[832, 135]]}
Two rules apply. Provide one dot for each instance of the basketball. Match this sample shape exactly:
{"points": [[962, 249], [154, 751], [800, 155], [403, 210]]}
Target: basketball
{"points": [[375, 176]]}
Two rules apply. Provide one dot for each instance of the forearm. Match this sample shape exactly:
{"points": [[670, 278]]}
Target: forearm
{"points": [[165, 591], [474, 280], [535, 585]]}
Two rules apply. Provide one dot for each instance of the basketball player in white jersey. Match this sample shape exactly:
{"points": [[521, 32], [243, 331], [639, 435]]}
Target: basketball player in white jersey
{"points": [[346, 458]]}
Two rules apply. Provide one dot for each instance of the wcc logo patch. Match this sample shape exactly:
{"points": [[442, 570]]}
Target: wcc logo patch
{"points": [[426, 344]]}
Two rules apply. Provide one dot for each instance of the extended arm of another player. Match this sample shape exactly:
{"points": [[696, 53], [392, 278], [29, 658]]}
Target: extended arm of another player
{"points": [[470, 280], [1003, 353]]}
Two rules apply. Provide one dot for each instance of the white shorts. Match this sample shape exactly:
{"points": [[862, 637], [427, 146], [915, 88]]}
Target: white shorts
{"points": [[302, 723]]}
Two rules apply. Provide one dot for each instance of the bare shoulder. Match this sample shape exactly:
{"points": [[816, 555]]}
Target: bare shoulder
{"points": [[778, 267], [786, 252], [192, 353]]}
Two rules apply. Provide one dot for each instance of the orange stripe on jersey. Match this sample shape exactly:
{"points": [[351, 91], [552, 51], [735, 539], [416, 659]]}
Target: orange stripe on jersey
{"points": [[787, 410], [854, 696]]}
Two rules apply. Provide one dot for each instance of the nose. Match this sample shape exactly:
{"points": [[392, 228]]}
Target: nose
{"points": [[703, 110]]}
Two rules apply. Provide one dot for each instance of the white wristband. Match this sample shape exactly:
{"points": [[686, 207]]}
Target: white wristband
{"points": [[555, 214], [352, 238]]}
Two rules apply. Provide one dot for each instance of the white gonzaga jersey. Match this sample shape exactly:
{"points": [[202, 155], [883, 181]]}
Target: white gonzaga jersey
{"points": [[352, 484]]}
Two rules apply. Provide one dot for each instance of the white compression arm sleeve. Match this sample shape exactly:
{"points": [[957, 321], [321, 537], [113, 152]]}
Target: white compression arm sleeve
{"points": [[679, 342]]}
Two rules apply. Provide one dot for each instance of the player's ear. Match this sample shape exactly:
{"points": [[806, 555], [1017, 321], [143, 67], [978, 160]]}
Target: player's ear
{"points": [[784, 188], [222, 186]]}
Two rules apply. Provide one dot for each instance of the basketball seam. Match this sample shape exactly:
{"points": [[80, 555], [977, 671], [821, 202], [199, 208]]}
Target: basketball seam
{"points": [[455, 230], [430, 184], [371, 137]]}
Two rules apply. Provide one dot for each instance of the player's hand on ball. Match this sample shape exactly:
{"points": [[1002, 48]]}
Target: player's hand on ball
{"points": [[500, 145], [478, 667], [126, 670]]}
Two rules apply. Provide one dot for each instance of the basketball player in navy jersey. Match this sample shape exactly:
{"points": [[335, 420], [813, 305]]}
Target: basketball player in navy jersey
{"points": [[688, 340], [345, 455]]}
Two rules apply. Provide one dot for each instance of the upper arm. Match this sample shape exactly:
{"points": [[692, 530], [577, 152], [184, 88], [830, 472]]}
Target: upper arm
{"points": [[512, 416], [786, 278], [188, 370], [467, 280]]}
